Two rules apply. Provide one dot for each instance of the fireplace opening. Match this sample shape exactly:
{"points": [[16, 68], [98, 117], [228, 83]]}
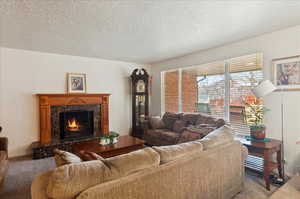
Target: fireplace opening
{"points": [[76, 124]]}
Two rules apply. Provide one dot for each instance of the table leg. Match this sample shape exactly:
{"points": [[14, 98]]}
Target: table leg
{"points": [[267, 169], [279, 162]]}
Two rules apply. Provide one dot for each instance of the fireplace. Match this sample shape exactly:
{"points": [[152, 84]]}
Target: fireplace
{"points": [[76, 124], [65, 117]]}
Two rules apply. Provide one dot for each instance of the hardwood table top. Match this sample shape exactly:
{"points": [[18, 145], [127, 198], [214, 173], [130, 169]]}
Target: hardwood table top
{"points": [[124, 142], [262, 145]]}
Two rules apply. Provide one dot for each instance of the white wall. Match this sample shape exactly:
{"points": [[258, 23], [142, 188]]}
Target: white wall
{"points": [[25, 73], [278, 44]]}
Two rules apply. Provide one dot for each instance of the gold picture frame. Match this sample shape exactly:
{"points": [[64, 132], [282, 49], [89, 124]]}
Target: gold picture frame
{"points": [[76, 82], [286, 73]]}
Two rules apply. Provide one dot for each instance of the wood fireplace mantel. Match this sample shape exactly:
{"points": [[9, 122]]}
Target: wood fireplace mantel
{"points": [[48, 100]]}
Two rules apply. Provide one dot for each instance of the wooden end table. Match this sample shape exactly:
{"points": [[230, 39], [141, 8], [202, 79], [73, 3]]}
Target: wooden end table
{"points": [[125, 144], [259, 158]]}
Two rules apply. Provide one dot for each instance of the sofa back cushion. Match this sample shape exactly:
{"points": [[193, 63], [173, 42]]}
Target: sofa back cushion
{"points": [[68, 181], [170, 118], [179, 126], [190, 118], [129, 163], [219, 136], [209, 121], [156, 122], [173, 152]]}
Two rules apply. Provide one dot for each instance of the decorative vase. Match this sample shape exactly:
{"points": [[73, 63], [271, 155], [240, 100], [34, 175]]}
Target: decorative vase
{"points": [[258, 134], [114, 140], [104, 141]]}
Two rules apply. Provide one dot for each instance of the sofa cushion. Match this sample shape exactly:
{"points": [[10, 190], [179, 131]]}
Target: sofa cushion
{"points": [[173, 152], [133, 162], [160, 137], [69, 180], [190, 118], [170, 118], [208, 120], [156, 123], [179, 126], [63, 157], [194, 133], [219, 136]]}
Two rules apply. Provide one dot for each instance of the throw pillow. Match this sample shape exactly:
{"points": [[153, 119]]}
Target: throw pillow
{"points": [[190, 118], [170, 118], [63, 158], [156, 123], [179, 126], [88, 156]]}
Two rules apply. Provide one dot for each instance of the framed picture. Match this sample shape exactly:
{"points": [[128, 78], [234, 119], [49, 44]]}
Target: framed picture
{"points": [[76, 83], [286, 73]]}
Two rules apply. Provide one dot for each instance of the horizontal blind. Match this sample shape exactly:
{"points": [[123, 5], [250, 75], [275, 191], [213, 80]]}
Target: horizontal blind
{"points": [[245, 74], [213, 68], [246, 63]]}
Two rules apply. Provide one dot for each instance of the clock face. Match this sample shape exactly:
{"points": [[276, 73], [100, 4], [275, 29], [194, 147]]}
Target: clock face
{"points": [[140, 86]]}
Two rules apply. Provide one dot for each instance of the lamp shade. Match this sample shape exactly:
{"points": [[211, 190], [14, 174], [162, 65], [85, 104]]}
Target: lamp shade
{"points": [[264, 88]]}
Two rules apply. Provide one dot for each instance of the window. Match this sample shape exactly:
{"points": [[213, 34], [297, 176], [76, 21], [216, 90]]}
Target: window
{"points": [[217, 89], [245, 74], [171, 91], [210, 89]]}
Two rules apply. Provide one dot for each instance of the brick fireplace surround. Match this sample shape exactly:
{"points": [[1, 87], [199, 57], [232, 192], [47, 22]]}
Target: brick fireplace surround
{"points": [[44, 147]]}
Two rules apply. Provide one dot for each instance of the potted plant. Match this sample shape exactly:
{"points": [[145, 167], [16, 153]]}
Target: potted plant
{"points": [[113, 137], [104, 140], [254, 112]]}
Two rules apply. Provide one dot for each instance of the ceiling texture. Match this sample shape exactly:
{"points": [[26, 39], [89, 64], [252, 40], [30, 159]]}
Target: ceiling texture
{"points": [[138, 31]]}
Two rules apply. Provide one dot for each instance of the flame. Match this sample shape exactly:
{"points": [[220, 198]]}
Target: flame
{"points": [[73, 124]]}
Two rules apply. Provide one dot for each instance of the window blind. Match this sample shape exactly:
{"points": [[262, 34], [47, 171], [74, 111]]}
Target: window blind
{"points": [[245, 74]]}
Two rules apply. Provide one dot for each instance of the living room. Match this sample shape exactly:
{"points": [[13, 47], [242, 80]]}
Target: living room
{"points": [[45, 44]]}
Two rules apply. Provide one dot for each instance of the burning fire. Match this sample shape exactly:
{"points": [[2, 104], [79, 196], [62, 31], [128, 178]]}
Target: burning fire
{"points": [[73, 125]]}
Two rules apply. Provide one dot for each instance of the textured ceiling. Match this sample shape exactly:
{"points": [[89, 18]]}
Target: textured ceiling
{"points": [[135, 30]]}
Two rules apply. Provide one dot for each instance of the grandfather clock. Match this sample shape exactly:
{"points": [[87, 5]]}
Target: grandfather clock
{"points": [[140, 101]]}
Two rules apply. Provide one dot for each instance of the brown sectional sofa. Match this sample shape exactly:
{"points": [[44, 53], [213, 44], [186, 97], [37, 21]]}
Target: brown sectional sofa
{"points": [[210, 168], [174, 128]]}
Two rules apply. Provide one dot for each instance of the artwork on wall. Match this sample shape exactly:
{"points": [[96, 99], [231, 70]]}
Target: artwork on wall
{"points": [[286, 73], [76, 82]]}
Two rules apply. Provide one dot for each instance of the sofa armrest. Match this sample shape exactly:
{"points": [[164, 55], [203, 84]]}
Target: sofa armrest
{"points": [[39, 186], [3, 143]]}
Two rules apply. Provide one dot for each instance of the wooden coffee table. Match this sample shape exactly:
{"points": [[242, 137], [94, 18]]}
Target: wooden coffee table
{"points": [[125, 144]]}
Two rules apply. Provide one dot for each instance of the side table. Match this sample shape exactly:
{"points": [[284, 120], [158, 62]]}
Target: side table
{"points": [[259, 158]]}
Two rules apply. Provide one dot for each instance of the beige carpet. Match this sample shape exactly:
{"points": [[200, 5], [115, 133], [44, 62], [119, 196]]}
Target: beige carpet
{"points": [[23, 170]]}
